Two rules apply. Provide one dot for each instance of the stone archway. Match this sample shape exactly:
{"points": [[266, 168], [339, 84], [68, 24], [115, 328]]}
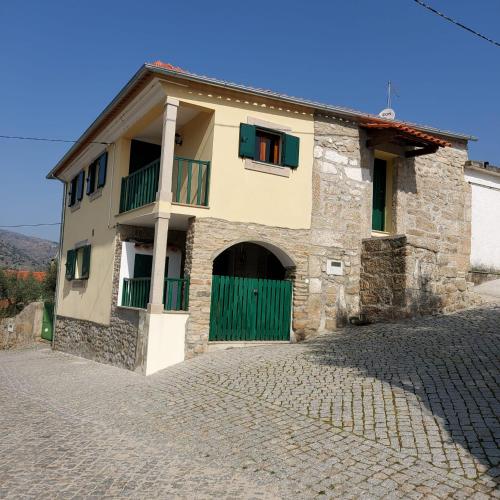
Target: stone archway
{"points": [[207, 238], [249, 260], [251, 295]]}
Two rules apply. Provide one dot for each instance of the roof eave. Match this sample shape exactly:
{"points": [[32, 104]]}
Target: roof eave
{"points": [[482, 166], [316, 106], [126, 88]]}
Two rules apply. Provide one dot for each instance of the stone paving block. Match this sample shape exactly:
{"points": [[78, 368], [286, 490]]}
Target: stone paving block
{"points": [[397, 410]]}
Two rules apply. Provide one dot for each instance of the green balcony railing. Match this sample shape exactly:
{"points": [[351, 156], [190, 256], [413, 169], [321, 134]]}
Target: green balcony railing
{"points": [[175, 293], [190, 181], [139, 188], [135, 292], [190, 184]]}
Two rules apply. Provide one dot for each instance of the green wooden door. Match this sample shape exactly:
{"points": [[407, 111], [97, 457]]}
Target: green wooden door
{"points": [[379, 194], [250, 309], [48, 320]]}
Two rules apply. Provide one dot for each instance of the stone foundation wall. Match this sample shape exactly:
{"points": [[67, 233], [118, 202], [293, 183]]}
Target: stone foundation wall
{"points": [[206, 238], [400, 279], [116, 344], [23, 329]]}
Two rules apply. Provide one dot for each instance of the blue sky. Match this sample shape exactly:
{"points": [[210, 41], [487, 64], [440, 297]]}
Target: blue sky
{"points": [[62, 62]]}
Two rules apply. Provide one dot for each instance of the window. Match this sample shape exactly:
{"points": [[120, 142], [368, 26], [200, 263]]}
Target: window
{"points": [[75, 192], [91, 178], [72, 192], [268, 146], [102, 162], [80, 178], [96, 177], [78, 263]]}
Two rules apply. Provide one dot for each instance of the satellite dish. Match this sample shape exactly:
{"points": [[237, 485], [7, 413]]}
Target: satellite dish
{"points": [[388, 114]]}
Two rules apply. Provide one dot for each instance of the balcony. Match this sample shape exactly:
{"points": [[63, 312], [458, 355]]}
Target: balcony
{"points": [[175, 293], [190, 184]]}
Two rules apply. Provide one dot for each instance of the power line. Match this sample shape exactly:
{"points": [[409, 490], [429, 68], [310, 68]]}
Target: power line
{"points": [[444, 16], [48, 140], [35, 225]]}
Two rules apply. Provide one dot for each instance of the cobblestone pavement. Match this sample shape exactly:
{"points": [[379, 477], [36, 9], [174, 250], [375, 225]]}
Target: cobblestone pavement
{"points": [[402, 410]]}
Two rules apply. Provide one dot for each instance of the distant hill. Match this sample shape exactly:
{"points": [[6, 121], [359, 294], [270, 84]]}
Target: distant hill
{"points": [[18, 251]]}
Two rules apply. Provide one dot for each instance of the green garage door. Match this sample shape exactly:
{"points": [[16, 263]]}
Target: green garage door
{"points": [[250, 309]]}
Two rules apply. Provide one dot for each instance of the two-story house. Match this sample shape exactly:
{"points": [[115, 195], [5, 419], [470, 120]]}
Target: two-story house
{"points": [[200, 213]]}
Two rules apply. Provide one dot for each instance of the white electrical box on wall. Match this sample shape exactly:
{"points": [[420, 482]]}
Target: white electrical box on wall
{"points": [[334, 267]]}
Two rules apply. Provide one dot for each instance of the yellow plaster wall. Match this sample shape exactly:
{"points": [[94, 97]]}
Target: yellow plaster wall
{"points": [[241, 195], [197, 138], [89, 299]]}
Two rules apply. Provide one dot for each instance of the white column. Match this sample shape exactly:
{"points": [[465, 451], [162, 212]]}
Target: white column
{"points": [[167, 150], [158, 271]]}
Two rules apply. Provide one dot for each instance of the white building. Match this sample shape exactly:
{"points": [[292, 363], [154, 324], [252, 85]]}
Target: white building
{"points": [[485, 189]]}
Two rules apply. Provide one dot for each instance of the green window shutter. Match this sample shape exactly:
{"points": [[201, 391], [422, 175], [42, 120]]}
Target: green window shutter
{"points": [[290, 155], [70, 193], [70, 264], [103, 166], [79, 185], [86, 262], [379, 191], [247, 141], [91, 178]]}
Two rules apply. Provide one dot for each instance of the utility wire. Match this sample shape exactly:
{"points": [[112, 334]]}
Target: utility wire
{"points": [[35, 225], [48, 140], [444, 16]]}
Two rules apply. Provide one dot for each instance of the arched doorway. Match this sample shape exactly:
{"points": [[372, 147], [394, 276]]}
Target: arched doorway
{"points": [[251, 297]]}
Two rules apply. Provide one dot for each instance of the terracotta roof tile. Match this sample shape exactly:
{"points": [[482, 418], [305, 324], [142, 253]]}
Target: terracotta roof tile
{"points": [[171, 67], [38, 275], [407, 130]]}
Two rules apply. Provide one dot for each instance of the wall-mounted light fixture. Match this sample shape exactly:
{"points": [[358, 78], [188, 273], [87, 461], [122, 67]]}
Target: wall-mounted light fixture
{"points": [[178, 139]]}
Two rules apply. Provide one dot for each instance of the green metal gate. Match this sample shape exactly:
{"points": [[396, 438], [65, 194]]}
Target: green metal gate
{"points": [[48, 320], [250, 309]]}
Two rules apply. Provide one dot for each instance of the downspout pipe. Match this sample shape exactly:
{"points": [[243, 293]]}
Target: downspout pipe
{"points": [[59, 259]]}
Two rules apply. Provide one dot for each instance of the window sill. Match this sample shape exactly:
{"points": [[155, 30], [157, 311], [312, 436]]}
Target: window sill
{"points": [[79, 283], [177, 204], [267, 168], [76, 206], [96, 194]]}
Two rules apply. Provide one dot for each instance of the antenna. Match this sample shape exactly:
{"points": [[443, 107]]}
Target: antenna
{"points": [[388, 113]]}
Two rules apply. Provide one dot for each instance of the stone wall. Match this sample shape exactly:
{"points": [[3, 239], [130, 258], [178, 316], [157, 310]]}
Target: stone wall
{"points": [[478, 277], [115, 344], [24, 329], [206, 238], [402, 279], [341, 218], [120, 343]]}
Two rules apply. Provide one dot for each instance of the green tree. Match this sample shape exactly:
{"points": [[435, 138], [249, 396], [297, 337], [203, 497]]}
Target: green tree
{"points": [[18, 292], [50, 281]]}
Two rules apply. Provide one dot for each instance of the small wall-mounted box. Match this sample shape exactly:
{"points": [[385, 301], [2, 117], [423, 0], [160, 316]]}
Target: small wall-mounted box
{"points": [[334, 267]]}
